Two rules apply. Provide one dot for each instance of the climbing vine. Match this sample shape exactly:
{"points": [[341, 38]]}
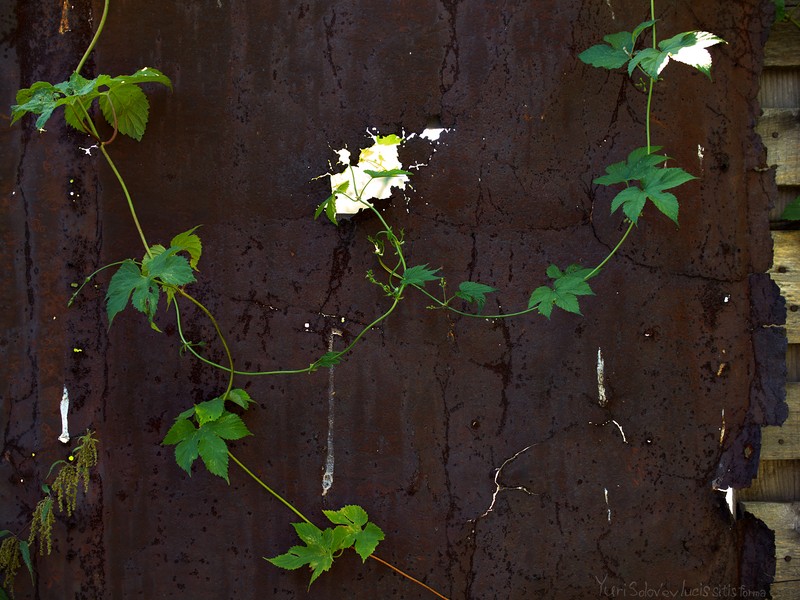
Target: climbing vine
{"points": [[164, 272]]}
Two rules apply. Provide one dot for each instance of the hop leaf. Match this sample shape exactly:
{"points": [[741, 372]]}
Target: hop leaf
{"points": [[419, 275], [474, 292], [567, 286]]}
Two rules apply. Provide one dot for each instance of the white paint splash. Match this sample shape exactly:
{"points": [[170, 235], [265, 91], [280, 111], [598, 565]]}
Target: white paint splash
{"points": [[602, 400], [327, 477], [64, 437], [624, 439], [608, 506], [613, 16]]}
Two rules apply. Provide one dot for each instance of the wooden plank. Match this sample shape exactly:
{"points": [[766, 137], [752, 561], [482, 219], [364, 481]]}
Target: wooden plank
{"points": [[779, 88], [784, 519], [783, 46], [777, 481], [783, 443], [786, 273], [793, 365], [779, 129]]}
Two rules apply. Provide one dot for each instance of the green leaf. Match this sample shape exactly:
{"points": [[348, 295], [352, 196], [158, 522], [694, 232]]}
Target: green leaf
{"points": [[690, 49], [317, 553], [188, 413], [229, 427], [604, 56], [419, 274], [649, 60], [25, 551], [4, 533], [566, 287], [388, 140], [662, 179], [126, 108], [210, 410], [240, 397], [327, 360], [145, 75], [186, 452], [792, 210], [389, 173], [3, 594], [129, 281], [39, 99], [181, 429], [189, 242], [632, 200], [214, 452], [350, 515], [169, 267], [472, 291], [368, 540], [637, 165], [780, 10]]}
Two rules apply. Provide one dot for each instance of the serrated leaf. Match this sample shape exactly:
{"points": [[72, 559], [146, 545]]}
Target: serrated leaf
{"points": [[181, 429], [126, 108], [210, 410], [186, 452], [189, 412], [169, 267], [367, 540], [567, 286], [351, 514], [129, 283], [214, 452], [229, 427], [317, 557], [638, 164], [419, 274], [632, 200], [189, 242], [472, 291], [240, 397]]}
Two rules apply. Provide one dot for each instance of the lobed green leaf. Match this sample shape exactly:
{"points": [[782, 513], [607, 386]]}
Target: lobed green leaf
{"points": [[189, 242], [214, 452], [472, 291], [210, 410], [169, 267], [419, 274], [240, 397], [181, 429], [126, 108], [228, 427], [129, 283]]}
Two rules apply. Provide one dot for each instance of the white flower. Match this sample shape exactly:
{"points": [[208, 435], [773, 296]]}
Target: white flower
{"points": [[381, 156]]}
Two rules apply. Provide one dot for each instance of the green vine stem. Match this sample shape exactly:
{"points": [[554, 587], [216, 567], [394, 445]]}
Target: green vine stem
{"points": [[292, 508], [96, 37]]}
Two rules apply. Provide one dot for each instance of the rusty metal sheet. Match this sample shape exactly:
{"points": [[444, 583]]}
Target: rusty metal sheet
{"points": [[479, 447]]}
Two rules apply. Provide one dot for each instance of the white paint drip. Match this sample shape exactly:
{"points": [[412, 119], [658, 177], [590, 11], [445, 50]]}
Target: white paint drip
{"points": [[64, 437], [605, 494], [700, 154], [327, 477], [602, 400], [499, 487], [613, 16]]}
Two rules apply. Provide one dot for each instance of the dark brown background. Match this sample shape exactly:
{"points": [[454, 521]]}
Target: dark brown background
{"points": [[429, 406]]}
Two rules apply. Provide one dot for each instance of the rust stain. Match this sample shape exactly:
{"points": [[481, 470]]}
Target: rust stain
{"points": [[63, 26]]}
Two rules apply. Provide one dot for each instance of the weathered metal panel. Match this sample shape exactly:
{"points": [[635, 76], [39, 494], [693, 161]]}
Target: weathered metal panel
{"points": [[480, 448]]}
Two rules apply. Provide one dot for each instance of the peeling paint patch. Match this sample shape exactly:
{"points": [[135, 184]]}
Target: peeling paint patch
{"points": [[602, 400], [327, 477], [64, 437]]}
